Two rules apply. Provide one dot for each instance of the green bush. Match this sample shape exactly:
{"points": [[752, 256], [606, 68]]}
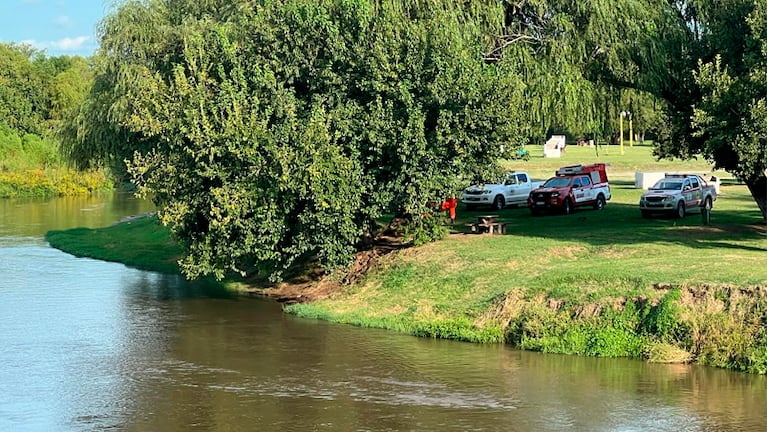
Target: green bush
{"points": [[40, 152], [663, 320], [424, 230], [10, 145]]}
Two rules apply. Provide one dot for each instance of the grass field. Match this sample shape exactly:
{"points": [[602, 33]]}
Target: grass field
{"points": [[622, 167]]}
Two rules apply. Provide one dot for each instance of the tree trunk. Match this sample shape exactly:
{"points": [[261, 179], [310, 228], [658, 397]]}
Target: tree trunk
{"points": [[758, 188]]}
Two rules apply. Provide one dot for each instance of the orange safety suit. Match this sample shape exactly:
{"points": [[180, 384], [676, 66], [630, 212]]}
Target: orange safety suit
{"points": [[450, 204]]}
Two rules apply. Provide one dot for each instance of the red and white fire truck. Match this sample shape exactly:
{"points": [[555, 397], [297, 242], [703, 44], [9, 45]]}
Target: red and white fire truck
{"points": [[572, 186]]}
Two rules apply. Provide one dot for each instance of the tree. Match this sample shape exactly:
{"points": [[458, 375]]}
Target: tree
{"points": [[730, 118], [23, 95], [704, 60], [714, 52], [580, 59], [275, 131]]}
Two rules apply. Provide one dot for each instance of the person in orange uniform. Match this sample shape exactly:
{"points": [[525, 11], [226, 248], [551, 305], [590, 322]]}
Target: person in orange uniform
{"points": [[450, 205]]}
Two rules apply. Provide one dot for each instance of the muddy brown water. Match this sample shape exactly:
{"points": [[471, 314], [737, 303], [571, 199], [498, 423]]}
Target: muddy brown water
{"points": [[92, 346]]}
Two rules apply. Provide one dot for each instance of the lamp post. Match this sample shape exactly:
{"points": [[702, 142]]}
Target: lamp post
{"points": [[623, 114], [631, 130]]}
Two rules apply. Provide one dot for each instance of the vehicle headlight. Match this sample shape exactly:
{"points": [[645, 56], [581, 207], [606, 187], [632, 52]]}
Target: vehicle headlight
{"points": [[668, 199], [487, 192], [555, 194]]}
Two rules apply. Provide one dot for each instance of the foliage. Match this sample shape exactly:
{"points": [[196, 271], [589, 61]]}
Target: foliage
{"points": [[22, 90], [36, 92], [663, 320], [266, 132], [582, 61], [719, 110], [52, 182], [611, 333], [425, 229]]}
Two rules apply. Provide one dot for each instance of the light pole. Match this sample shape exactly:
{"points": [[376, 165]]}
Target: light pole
{"points": [[631, 130], [623, 114]]}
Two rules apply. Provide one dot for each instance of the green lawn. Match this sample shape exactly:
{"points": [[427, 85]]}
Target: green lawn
{"points": [[622, 167], [141, 243]]}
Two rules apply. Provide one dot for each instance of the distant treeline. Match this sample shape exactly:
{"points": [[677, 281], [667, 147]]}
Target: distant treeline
{"points": [[36, 92]]}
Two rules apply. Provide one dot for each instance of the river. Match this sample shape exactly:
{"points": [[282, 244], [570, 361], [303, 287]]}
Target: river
{"points": [[92, 346]]}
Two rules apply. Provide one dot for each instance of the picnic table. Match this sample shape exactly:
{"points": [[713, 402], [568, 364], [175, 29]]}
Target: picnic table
{"points": [[487, 224], [487, 219]]}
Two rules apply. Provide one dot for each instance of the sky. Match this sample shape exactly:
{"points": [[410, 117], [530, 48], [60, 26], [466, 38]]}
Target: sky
{"points": [[60, 27]]}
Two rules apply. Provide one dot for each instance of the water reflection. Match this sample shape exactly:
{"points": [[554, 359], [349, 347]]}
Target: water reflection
{"points": [[28, 218]]}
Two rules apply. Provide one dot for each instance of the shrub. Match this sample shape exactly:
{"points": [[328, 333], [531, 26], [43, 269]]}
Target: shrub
{"points": [[663, 320], [424, 230]]}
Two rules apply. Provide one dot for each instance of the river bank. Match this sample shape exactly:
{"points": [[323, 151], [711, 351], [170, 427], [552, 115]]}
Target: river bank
{"points": [[598, 283]]}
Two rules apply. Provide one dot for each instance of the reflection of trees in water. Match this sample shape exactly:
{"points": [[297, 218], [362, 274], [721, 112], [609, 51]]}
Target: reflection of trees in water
{"points": [[667, 396], [35, 216], [162, 287]]}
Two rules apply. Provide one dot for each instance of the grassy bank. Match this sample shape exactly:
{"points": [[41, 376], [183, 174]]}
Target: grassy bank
{"points": [[140, 242], [605, 283]]}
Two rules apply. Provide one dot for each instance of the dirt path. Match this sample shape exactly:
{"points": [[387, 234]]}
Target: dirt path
{"points": [[318, 285]]}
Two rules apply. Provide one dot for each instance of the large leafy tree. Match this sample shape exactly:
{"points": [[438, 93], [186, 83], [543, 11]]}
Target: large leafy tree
{"points": [[729, 121], [36, 90], [714, 55], [269, 131], [23, 90]]}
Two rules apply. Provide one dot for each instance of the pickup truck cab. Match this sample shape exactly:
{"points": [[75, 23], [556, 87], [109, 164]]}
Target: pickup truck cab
{"points": [[678, 194], [572, 186], [513, 190]]}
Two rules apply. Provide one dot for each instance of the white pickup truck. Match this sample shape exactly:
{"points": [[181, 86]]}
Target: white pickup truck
{"points": [[678, 194], [514, 190]]}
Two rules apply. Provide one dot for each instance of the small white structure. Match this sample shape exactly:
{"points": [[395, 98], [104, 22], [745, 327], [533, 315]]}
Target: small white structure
{"points": [[554, 146], [717, 182], [643, 180]]}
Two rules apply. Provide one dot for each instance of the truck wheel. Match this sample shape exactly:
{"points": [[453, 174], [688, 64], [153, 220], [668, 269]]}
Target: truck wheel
{"points": [[680, 211], [499, 203], [568, 208], [600, 204]]}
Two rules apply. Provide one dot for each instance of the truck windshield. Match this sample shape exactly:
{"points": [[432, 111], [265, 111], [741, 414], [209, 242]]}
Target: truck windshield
{"points": [[557, 182], [668, 185]]}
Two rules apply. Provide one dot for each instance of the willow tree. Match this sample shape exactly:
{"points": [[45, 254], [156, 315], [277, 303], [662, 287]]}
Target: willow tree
{"points": [[581, 59], [268, 131]]}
